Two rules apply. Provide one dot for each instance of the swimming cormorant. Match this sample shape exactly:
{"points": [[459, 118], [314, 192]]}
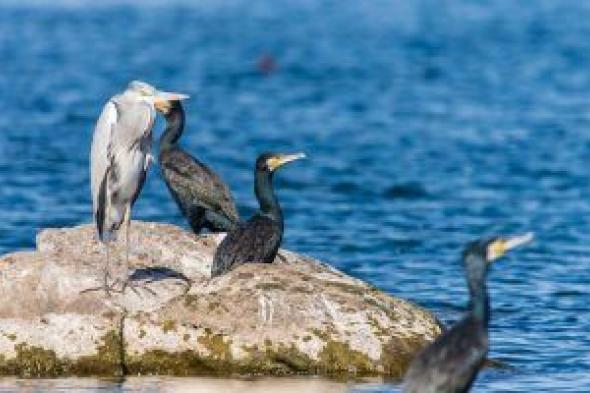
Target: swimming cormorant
{"points": [[451, 363], [259, 238], [202, 197]]}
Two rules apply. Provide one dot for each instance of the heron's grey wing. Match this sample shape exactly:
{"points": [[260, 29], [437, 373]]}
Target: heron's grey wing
{"points": [[134, 125], [194, 182], [130, 149], [100, 151], [256, 240]]}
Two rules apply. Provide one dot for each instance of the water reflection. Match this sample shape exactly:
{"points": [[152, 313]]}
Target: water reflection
{"points": [[180, 385]]}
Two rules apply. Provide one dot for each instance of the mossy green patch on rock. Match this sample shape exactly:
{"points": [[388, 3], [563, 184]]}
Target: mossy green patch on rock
{"points": [[378, 330], [301, 289], [279, 361], [110, 314], [32, 361], [325, 336], [269, 361], [191, 301], [168, 326], [109, 359], [159, 362], [219, 349], [244, 276], [269, 286], [293, 359], [38, 362], [339, 358], [335, 359], [383, 307], [282, 361], [212, 306], [397, 354]]}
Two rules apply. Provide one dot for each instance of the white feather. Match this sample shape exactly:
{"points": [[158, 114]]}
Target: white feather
{"points": [[98, 154]]}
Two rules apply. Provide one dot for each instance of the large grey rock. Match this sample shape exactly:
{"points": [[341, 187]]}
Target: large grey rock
{"points": [[297, 316]]}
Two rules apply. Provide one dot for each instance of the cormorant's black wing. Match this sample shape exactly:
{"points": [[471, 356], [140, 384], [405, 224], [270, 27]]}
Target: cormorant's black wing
{"points": [[195, 186], [256, 240], [451, 363]]}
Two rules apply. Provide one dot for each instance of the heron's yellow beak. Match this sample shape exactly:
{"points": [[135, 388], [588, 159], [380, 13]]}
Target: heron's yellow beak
{"points": [[162, 100], [282, 159], [500, 247]]}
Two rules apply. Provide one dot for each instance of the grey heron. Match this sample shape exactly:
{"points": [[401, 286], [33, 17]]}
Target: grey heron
{"points": [[120, 157]]}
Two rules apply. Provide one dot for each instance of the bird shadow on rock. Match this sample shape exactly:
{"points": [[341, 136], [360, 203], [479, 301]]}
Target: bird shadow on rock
{"points": [[157, 273], [148, 289]]}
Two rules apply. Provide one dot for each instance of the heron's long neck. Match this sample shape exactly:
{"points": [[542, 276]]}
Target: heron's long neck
{"points": [[479, 302], [174, 128], [269, 204]]}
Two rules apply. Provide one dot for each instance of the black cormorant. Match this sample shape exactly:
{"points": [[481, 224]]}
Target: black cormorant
{"points": [[201, 195], [451, 363], [259, 238]]}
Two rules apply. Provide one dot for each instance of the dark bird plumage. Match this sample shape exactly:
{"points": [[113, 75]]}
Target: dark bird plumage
{"points": [[451, 363], [259, 238], [202, 197]]}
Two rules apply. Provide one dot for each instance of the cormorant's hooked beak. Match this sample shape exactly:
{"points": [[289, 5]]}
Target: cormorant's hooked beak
{"points": [[501, 246], [162, 100], [282, 159]]}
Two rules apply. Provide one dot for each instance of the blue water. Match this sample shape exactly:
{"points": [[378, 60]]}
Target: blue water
{"points": [[427, 124]]}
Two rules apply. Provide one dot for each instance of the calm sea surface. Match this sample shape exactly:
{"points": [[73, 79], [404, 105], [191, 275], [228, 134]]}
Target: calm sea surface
{"points": [[427, 124]]}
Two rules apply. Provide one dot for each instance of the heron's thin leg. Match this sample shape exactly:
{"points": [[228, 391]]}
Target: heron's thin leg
{"points": [[127, 227], [127, 277], [106, 265], [106, 286], [107, 272]]}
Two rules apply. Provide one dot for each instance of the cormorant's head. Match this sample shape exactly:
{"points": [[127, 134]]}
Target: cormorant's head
{"points": [[169, 108], [269, 162], [491, 249], [160, 99]]}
